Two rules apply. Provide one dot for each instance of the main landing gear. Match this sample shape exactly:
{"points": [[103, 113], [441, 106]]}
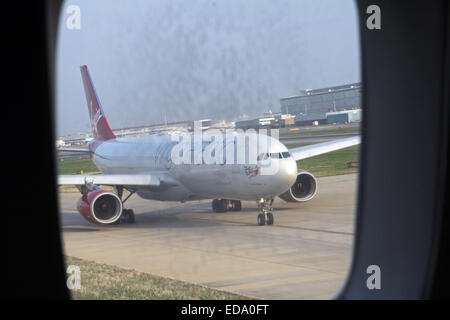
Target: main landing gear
{"points": [[127, 214], [224, 205], [266, 208]]}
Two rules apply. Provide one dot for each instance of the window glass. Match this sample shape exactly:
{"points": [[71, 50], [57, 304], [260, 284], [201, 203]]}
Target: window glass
{"points": [[175, 67]]}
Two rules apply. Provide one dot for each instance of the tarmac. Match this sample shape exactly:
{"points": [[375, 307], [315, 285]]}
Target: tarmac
{"points": [[306, 254]]}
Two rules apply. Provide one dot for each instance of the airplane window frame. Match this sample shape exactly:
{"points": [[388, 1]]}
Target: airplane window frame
{"points": [[402, 278]]}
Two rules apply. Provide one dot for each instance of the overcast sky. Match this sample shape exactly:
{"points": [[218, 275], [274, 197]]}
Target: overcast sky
{"points": [[200, 58]]}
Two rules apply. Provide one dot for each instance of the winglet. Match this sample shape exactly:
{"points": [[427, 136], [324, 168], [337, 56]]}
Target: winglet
{"points": [[100, 127]]}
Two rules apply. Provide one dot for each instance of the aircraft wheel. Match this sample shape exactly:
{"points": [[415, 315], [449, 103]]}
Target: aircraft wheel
{"points": [[237, 206], [269, 218], [131, 216], [219, 205], [215, 205], [261, 219], [223, 205], [127, 216]]}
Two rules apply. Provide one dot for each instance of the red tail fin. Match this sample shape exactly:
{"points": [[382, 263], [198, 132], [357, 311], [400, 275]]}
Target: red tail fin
{"points": [[99, 124]]}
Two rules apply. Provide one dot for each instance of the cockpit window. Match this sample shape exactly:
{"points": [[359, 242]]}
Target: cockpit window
{"points": [[275, 155], [263, 156]]}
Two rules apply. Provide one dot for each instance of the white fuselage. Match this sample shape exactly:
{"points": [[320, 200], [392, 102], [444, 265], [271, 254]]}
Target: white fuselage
{"points": [[200, 179]]}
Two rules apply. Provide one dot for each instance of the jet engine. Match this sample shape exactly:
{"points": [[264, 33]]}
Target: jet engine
{"points": [[100, 206], [303, 189]]}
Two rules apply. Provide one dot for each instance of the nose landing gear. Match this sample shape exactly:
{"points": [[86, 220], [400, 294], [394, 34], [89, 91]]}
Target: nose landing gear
{"points": [[266, 208]]}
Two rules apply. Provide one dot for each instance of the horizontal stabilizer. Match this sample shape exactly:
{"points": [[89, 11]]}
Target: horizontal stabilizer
{"points": [[82, 150], [153, 179]]}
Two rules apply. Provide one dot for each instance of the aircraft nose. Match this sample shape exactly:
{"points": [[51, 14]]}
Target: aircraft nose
{"points": [[287, 173], [279, 174]]}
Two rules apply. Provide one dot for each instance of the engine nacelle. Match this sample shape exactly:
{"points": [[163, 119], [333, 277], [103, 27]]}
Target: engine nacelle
{"points": [[303, 189], [100, 206]]}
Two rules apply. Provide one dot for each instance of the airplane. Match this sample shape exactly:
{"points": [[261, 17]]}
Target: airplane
{"points": [[146, 166]]}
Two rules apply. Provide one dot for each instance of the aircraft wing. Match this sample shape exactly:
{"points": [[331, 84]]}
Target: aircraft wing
{"points": [[150, 179], [324, 147]]}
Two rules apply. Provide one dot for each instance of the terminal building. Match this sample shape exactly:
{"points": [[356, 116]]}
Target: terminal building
{"points": [[272, 120], [321, 101], [344, 116]]}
